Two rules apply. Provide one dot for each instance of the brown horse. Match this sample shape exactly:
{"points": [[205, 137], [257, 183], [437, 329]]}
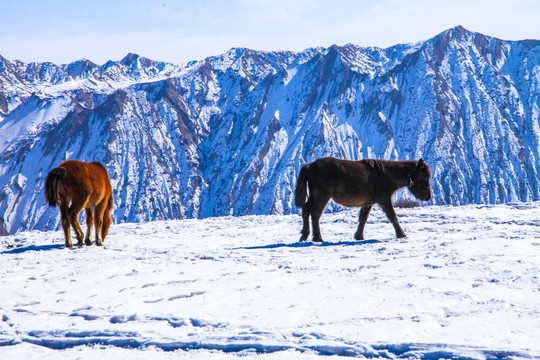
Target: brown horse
{"points": [[357, 183], [76, 185]]}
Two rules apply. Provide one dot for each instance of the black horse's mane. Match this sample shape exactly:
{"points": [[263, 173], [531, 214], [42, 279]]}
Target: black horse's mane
{"points": [[400, 171], [384, 165]]}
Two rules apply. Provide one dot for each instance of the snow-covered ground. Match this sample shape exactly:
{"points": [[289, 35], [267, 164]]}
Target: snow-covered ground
{"points": [[464, 283]]}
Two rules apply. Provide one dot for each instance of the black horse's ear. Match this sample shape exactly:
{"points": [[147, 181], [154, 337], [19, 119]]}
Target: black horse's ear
{"points": [[421, 163]]}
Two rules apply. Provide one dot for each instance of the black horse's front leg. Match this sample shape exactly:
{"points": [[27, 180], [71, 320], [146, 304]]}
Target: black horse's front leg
{"points": [[391, 215], [362, 218]]}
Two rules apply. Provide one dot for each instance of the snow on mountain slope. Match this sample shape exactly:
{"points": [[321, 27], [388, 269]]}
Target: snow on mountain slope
{"points": [[464, 284], [228, 134]]}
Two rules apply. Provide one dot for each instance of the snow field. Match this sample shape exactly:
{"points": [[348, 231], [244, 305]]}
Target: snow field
{"points": [[464, 283]]}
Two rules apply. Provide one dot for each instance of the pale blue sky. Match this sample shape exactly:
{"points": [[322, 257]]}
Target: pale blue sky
{"points": [[178, 31]]}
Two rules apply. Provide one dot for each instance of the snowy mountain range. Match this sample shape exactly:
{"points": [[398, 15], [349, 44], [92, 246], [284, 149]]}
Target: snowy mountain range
{"points": [[227, 135]]}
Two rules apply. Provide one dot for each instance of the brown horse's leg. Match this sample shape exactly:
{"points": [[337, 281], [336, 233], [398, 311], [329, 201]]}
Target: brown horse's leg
{"points": [[362, 218], [73, 214], [391, 214], [89, 225], [65, 224]]}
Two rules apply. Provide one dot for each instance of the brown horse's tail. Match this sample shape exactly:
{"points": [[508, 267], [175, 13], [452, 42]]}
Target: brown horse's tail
{"points": [[54, 179], [300, 193], [107, 219]]}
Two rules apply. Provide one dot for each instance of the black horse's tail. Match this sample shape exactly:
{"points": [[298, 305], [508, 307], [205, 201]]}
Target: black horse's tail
{"points": [[55, 178], [300, 193]]}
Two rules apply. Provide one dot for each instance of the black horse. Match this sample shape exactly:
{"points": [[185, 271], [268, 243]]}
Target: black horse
{"points": [[357, 183]]}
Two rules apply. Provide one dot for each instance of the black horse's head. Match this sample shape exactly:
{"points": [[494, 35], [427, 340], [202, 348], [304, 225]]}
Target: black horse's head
{"points": [[419, 181]]}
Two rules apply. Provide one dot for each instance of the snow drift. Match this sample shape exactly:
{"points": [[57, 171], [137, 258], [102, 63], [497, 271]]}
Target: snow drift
{"points": [[464, 284]]}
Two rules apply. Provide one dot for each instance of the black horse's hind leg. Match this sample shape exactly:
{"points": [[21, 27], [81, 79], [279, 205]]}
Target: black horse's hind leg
{"points": [[306, 212], [362, 218], [305, 226], [391, 214], [318, 207], [315, 216]]}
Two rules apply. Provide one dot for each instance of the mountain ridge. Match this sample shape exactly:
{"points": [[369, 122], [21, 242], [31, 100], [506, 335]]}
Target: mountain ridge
{"points": [[227, 135]]}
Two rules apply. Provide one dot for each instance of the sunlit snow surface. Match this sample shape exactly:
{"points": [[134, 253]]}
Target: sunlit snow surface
{"points": [[464, 283]]}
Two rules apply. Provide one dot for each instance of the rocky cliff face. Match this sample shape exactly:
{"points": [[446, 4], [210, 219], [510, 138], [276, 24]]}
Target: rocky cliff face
{"points": [[227, 135]]}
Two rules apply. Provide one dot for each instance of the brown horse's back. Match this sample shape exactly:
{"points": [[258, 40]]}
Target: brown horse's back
{"points": [[75, 185], [87, 179]]}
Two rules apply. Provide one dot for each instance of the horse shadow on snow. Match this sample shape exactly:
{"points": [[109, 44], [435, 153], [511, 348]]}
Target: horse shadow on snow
{"points": [[308, 244], [23, 249]]}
